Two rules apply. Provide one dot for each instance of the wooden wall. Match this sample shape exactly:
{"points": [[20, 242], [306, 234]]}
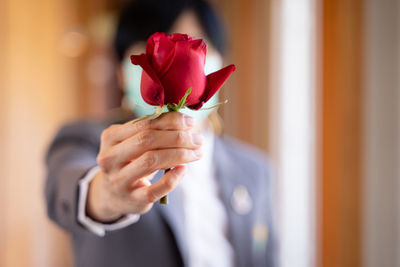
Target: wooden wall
{"points": [[37, 94], [342, 92], [247, 115]]}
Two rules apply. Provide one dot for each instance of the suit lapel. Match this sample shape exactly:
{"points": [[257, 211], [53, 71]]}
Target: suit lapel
{"points": [[173, 212], [173, 215], [230, 176]]}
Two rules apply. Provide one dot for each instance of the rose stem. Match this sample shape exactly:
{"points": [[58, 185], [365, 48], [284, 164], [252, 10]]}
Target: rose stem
{"points": [[164, 199]]}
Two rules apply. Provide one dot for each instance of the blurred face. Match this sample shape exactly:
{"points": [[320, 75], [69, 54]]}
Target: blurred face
{"points": [[186, 23], [130, 75]]}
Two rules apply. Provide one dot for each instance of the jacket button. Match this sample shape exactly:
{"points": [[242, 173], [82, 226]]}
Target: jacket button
{"points": [[241, 201]]}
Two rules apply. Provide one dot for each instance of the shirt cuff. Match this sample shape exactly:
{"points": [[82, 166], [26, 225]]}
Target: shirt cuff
{"points": [[96, 227]]}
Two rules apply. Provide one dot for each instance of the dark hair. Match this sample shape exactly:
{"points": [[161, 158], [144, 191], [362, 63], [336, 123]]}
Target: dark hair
{"points": [[141, 18]]}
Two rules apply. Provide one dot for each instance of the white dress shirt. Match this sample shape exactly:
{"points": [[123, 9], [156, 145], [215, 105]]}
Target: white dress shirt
{"points": [[205, 218]]}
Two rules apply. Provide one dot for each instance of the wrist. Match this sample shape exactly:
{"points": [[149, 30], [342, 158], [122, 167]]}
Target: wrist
{"points": [[99, 203]]}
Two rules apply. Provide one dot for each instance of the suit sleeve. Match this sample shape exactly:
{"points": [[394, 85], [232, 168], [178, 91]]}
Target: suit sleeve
{"points": [[94, 226], [70, 156]]}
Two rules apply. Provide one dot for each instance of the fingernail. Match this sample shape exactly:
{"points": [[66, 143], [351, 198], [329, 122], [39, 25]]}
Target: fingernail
{"points": [[189, 121], [198, 153], [197, 139], [178, 171]]}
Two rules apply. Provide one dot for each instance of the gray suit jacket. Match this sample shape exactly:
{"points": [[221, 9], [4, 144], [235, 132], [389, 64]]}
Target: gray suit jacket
{"points": [[157, 239]]}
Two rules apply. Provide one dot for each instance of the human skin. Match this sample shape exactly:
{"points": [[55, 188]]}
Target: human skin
{"points": [[129, 156]]}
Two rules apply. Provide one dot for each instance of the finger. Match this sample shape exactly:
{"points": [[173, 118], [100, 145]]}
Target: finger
{"points": [[148, 140], [110, 135], [167, 121], [170, 121], [142, 181], [156, 160], [166, 184]]}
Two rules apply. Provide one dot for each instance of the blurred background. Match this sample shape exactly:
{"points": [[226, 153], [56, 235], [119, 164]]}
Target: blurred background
{"points": [[317, 87]]}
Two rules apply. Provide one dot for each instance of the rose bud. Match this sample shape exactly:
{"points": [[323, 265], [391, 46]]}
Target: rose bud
{"points": [[172, 65]]}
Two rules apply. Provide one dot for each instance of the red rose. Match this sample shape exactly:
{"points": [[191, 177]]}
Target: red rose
{"points": [[173, 64]]}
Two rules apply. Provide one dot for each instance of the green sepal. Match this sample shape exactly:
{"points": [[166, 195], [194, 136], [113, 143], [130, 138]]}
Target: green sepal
{"points": [[182, 102], [172, 107], [216, 105], [155, 115], [143, 106]]}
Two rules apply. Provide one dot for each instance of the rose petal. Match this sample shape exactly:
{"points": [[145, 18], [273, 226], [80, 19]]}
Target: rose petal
{"points": [[197, 106], [179, 37], [215, 80], [150, 91], [198, 44], [160, 50], [186, 71], [151, 88], [150, 44]]}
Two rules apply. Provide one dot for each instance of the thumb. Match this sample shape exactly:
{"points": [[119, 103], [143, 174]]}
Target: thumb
{"points": [[166, 184]]}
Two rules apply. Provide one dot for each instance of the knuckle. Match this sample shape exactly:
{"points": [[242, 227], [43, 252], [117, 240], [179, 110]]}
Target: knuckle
{"points": [[109, 132], [170, 183], [113, 127], [174, 120], [181, 138], [104, 160], [148, 124], [182, 155], [144, 138], [104, 136], [142, 125], [136, 127], [149, 160], [150, 196], [179, 120]]}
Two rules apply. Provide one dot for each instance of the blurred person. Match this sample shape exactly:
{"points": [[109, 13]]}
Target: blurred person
{"points": [[106, 176]]}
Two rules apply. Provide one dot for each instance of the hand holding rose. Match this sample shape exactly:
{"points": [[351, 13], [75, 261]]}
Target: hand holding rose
{"points": [[173, 74], [129, 156]]}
